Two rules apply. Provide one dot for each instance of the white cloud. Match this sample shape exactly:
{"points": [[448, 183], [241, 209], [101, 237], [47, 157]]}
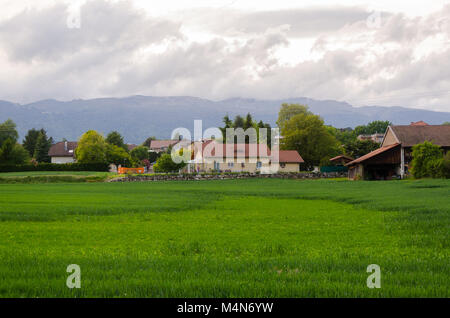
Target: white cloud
{"points": [[225, 49]]}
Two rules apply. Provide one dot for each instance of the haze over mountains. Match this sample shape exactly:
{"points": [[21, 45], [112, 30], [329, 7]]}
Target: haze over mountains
{"points": [[138, 117]]}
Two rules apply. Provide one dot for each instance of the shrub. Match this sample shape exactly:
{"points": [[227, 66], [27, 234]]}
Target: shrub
{"points": [[56, 167], [426, 160]]}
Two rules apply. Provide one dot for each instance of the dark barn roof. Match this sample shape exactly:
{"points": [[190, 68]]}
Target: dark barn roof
{"points": [[411, 135], [60, 149]]}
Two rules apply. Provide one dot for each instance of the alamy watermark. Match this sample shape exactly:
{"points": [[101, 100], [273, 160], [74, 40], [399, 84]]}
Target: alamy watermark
{"points": [[214, 148], [74, 279]]}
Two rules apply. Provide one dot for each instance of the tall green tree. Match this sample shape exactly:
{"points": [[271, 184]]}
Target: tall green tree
{"points": [[377, 126], [13, 153], [306, 133], [287, 111], [91, 148], [8, 131], [30, 140], [359, 148], [238, 122], [138, 154], [248, 122], [43, 144], [147, 141], [115, 138], [117, 155]]}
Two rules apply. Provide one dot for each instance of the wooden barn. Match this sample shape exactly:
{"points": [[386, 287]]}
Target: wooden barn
{"points": [[393, 158]]}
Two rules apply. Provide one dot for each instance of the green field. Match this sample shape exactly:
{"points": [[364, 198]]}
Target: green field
{"points": [[227, 238]]}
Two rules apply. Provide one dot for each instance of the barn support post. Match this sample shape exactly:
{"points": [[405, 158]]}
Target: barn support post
{"points": [[402, 162]]}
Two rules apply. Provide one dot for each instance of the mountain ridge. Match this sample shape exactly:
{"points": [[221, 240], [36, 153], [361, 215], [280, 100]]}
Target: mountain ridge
{"points": [[138, 117]]}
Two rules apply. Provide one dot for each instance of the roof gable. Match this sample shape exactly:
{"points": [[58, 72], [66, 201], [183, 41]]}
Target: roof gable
{"points": [[409, 135]]}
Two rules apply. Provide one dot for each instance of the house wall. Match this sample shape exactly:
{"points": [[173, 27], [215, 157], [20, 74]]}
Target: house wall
{"points": [[389, 139], [249, 166], [288, 167], [63, 160], [356, 172]]}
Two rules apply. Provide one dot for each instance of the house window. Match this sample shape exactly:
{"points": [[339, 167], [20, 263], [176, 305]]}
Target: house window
{"points": [[258, 164], [230, 164], [242, 165], [282, 165]]}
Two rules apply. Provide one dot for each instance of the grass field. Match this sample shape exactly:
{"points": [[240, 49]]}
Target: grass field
{"points": [[227, 238]]}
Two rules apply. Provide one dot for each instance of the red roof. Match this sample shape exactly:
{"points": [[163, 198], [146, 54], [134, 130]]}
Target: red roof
{"points": [[290, 156], [158, 144], [342, 157], [372, 154], [419, 123]]}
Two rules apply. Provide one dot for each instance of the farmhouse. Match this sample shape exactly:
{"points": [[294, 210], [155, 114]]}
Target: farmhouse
{"points": [[209, 156], [63, 152], [162, 145], [393, 158]]}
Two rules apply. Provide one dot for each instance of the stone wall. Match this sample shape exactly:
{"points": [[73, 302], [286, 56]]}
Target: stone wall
{"points": [[185, 177]]}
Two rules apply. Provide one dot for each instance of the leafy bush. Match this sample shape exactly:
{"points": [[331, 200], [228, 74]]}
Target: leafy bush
{"points": [[427, 161], [56, 167]]}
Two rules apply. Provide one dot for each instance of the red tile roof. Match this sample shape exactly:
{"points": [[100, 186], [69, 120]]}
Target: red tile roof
{"points": [[63, 149], [372, 154], [419, 123], [158, 144], [342, 157], [290, 156]]}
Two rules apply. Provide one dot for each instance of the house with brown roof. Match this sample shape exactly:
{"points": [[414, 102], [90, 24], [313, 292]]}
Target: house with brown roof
{"points": [[393, 158], [162, 145], [209, 156], [63, 152]]}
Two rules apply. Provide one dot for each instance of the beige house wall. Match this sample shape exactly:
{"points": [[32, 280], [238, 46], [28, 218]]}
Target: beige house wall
{"points": [[62, 160], [289, 167], [237, 165], [389, 139]]}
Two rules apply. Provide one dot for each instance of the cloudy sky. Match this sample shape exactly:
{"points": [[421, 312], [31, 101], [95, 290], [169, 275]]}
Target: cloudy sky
{"points": [[380, 52]]}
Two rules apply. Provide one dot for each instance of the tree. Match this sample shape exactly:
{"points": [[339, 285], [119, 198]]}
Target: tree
{"points": [[91, 148], [427, 160], [238, 122], [287, 111], [30, 140], [138, 154], [117, 155], [306, 133], [166, 164], [42, 147], [114, 138], [13, 153], [8, 131], [446, 123], [147, 141], [248, 122], [359, 148], [377, 126]]}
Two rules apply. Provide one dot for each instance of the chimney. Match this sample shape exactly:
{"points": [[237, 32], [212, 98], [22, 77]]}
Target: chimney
{"points": [[65, 145]]}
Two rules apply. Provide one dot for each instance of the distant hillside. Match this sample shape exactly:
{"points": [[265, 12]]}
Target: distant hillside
{"points": [[138, 117]]}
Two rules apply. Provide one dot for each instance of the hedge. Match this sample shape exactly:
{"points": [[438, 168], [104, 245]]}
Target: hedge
{"points": [[56, 167]]}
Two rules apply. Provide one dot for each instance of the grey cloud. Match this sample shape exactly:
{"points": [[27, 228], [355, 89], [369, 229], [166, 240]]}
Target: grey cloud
{"points": [[303, 22], [44, 34]]}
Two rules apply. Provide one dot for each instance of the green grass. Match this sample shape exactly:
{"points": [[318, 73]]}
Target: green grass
{"points": [[53, 173], [227, 238], [54, 176]]}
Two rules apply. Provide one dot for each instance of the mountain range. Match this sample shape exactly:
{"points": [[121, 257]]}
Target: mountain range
{"points": [[138, 117]]}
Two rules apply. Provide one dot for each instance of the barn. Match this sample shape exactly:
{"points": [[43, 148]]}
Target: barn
{"points": [[393, 158]]}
